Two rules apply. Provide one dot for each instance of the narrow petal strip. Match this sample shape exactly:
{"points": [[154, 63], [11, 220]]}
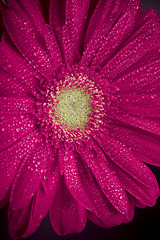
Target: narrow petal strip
{"points": [[124, 158], [83, 186], [27, 39], [28, 176], [66, 214], [14, 128], [30, 9], [13, 63], [141, 41], [144, 145], [106, 178], [11, 105], [10, 160], [108, 13]]}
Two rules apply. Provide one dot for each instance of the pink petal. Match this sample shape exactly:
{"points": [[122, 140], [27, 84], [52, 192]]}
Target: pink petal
{"points": [[144, 144], [144, 194], [67, 44], [44, 196], [143, 78], [107, 13], [10, 87], [4, 201], [92, 217], [25, 76], [139, 105], [57, 14], [24, 221], [76, 12], [125, 159], [14, 128], [138, 90], [20, 221], [138, 122], [106, 178], [115, 38], [138, 203], [53, 48], [10, 159], [73, 31], [31, 10], [131, 211], [11, 105], [29, 174], [27, 39], [84, 187], [144, 38], [67, 215]]}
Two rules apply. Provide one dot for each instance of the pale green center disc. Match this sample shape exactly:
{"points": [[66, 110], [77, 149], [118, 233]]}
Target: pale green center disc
{"points": [[74, 107]]}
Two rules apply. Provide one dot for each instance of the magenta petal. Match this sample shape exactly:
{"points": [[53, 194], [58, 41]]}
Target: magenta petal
{"points": [[112, 41], [148, 150], [139, 123], [92, 217], [143, 39], [140, 79], [11, 87], [108, 9], [131, 211], [24, 75], [4, 201], [14, 127], [31, 10], [42, 202], [53, 47], [103, 173], [124, 158], [67, 215], [44, 196], [10, 105], [107, 13], [146, 196], [56, 14], [27, 39], [73, 31], [139, 105], [24, 221], [84, 187], [67, 44], [10, 159], [20, 221], [28, 176]]}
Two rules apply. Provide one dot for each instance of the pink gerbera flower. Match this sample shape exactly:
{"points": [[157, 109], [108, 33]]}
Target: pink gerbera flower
{"points": [[80, 107]]}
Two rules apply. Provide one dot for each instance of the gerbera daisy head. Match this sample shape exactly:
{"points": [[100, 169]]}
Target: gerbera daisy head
{"points": [[79, 113], [73, 109]]}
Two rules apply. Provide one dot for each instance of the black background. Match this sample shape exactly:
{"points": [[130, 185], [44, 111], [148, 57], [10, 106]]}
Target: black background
{"points": [[145, 225]]}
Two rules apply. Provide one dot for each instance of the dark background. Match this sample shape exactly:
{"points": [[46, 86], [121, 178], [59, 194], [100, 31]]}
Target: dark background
{"points": [[145, 225]]}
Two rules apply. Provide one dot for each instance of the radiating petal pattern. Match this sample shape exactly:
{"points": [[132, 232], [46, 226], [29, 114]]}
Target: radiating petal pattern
{"points": [[66, 213], [32, 46], [86, 190], [79, 112], [11, 159]]}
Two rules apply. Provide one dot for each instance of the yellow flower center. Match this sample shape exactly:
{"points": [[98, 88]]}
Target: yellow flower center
{"points": [[73, 108]]}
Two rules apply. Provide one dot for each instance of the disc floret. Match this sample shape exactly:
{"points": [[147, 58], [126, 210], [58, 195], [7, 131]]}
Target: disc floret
{"points": [[75, 108]]}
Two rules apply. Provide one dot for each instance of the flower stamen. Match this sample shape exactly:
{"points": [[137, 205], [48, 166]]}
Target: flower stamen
{"points": [[75, 108]]}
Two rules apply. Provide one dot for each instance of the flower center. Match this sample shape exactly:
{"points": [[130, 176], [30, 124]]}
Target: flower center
{"points": [[73, 108]]}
